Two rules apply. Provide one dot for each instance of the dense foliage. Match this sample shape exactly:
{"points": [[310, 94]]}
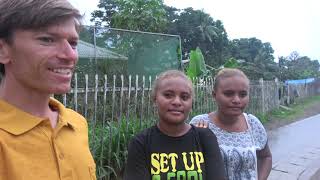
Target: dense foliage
{"points": [[298, 67], [198, 29]]}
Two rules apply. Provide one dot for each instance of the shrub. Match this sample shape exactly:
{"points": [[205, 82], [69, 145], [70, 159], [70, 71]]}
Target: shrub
{"points": [[108, 143]]}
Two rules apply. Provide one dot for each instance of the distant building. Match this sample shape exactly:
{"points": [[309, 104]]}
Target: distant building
{"points": [[88, 50]]}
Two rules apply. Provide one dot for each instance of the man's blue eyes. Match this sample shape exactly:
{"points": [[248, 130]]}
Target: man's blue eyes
{"points": [[46, 39], [73, 44]]}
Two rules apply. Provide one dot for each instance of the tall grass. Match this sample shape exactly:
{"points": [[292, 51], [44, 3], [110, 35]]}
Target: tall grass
{"points": [[109, 142]]}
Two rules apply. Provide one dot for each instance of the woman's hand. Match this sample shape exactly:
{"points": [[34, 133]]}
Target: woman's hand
{"points": [[202, 124]]}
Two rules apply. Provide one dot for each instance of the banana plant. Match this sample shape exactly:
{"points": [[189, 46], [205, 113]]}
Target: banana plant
{"points": [[231, 63], [197, 66]]}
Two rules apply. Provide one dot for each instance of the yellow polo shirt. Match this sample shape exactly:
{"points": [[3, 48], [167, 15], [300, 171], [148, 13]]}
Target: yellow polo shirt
{"points": [[30, 149]]}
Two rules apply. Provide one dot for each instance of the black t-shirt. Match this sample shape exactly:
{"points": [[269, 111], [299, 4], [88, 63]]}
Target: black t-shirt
{"points": [[156, 156]]}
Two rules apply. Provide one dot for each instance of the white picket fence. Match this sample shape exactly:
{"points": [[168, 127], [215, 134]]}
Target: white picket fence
{"points": [[112, 98]]}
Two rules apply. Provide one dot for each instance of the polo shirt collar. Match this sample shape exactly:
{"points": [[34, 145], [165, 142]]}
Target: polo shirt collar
{"points": [[64, 118], [17, 122]]}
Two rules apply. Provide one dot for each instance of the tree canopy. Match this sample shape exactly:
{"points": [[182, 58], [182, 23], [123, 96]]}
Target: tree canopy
{"points": [[198, 29], [138, 15], [298, 67]]}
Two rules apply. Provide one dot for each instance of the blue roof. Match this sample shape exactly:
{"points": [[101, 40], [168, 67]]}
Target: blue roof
{"points": [[300, 81]]}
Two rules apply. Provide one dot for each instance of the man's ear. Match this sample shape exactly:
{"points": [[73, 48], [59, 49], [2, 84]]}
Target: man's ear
{"points": [[155, 103], [213, 94], [4, 52]]}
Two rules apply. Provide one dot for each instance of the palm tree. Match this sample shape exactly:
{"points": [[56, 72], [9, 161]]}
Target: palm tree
{"points": [[207, 29]]}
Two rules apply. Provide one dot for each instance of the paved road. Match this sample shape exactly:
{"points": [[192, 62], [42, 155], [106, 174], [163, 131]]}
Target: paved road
{"points": [[296, 150]]}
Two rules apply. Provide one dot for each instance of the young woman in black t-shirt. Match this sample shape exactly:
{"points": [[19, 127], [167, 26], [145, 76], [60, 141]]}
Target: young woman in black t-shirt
{"points": [[173, 149]]}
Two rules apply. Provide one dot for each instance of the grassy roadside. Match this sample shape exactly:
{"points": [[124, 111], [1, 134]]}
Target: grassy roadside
{"points": [[296, 110], [285, 115]]}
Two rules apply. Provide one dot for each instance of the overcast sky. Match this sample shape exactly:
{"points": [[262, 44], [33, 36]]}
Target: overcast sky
{"points": [[289, 25]]}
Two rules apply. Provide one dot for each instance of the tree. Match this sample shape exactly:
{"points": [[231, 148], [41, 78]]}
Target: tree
{"points": [[293, 56], [103, 16], [138, 15], [252, 50], [198, 29], [207, 30], [257, 57], [298, 67]]}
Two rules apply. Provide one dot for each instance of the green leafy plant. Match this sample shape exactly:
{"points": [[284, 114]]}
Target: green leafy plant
{"points": [[231, 63], [109, 142], [197, 66]]}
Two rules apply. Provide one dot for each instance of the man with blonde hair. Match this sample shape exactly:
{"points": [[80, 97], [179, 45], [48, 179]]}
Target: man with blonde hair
{"points": [[40, 139]]}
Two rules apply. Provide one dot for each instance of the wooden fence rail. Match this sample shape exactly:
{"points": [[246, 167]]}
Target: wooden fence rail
{"points": [[114, 98]]}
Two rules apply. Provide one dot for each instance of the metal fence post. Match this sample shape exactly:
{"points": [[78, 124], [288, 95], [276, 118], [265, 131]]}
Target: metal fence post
{"points": [[261, 82], [276, 81]]}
